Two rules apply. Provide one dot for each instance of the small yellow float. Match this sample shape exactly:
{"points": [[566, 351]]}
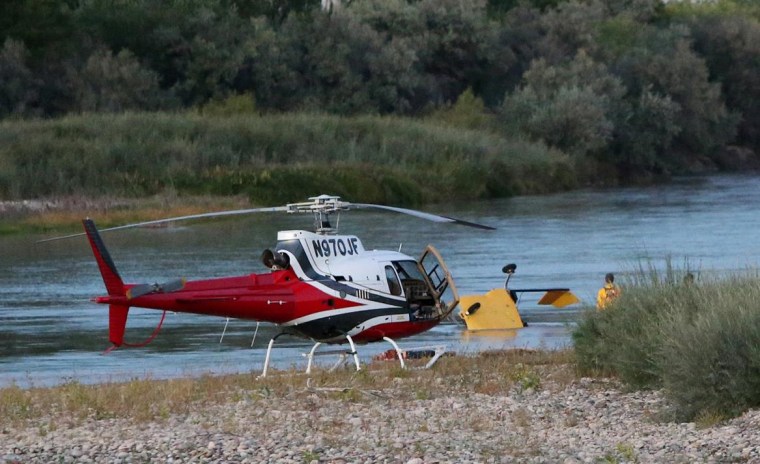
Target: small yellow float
{"points": [[497, 309]]}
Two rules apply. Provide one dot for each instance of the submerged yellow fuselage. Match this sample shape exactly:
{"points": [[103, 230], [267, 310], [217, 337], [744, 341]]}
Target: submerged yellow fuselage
{"points": [[494, 310], [497, 309]]}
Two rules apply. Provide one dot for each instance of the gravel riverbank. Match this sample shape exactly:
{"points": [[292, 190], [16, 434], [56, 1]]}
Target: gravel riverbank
{"points": [[410, 420]]}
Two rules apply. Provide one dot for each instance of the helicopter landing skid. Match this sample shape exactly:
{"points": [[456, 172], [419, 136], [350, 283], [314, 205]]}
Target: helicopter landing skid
{"points": [[434, 352], [341, 353]]}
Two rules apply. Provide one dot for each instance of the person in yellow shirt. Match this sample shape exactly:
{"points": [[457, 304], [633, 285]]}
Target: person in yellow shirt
{"points": [[608, 293]]}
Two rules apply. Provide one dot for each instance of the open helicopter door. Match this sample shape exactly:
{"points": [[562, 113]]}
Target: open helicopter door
{"points": [[439, 280]]}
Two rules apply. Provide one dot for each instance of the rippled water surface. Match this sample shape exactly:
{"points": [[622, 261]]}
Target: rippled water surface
{"points": [[50, 332]]}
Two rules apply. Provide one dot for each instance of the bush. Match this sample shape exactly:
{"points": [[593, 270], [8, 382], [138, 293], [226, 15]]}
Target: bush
{"points": [[700, 343], [232, 105], [711, 366], [468, 113]]}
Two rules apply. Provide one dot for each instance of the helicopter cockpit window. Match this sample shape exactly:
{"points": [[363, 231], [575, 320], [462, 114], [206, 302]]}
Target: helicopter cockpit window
{"points": [[408, 270], [413, 282], [394, 286]]}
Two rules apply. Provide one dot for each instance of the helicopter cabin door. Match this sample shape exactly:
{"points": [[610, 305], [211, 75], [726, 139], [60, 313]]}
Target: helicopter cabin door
{"points": [[439, 280]]}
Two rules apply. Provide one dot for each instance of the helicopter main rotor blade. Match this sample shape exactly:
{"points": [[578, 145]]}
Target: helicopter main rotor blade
{"points": [[322, 205], [236, 212], [423, 215]]}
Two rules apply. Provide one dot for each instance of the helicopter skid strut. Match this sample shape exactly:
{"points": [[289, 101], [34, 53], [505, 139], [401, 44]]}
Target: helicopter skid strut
{"points": [[402, 354]]}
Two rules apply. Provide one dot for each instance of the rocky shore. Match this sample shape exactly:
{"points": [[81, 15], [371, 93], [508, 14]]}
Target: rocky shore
{"points": [[412, 422]]}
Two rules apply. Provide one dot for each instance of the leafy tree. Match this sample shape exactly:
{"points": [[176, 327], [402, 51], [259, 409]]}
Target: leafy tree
{"points": [[375, 56], [641, 11], [449, 44], [663, 62], [644, 136], [45, 27], [459, 49], [498, 8], [274, 10], [572, 106], [521, 32], [730, 46], [18, 86], [114, 83], [316, 61], [395, 74], [269, 68], [570, 27], [194, 45], [335, 64]]}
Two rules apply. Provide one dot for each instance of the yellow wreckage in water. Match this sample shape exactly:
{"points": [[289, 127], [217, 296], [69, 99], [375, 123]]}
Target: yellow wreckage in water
{"points": [[497, 309]]}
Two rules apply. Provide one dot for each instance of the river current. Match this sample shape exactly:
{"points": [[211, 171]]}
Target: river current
{"points": [[51, 333]]}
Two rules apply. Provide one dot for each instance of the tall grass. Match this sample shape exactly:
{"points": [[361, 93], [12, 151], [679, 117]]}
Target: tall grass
{"points": [[274, 158], [699, 342]]}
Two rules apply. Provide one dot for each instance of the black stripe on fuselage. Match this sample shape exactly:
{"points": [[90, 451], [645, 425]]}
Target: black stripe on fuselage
{"points": [[338, 325]]}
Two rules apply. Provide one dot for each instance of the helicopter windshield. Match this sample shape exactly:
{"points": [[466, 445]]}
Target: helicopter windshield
{"points": [[408, 270]]}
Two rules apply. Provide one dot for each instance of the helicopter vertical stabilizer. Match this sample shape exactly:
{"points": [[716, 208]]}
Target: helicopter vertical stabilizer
{"points": [[117, 323], [117, 314], [111, 277]]}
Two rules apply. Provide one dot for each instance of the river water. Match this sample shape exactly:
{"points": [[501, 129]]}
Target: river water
{"points": [[50, 332]]}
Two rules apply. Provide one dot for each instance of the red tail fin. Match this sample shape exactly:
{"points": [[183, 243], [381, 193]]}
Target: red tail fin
{"points": [[117, 314], [111, 278], [117, 323]]}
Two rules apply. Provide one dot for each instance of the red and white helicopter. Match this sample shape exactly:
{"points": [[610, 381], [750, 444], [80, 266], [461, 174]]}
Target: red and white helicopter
{"points": [[320, 285]]}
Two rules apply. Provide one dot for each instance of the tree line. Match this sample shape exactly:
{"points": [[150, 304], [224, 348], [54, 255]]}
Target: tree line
{"points": [[626, 88]]}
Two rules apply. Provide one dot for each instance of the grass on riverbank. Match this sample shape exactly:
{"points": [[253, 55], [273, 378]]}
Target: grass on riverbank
{"points": [[270, 159], [492, 373], [700, 342]]}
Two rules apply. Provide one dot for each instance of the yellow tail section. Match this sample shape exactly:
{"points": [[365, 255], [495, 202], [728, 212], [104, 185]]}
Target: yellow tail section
{"points": [[558, 298]]}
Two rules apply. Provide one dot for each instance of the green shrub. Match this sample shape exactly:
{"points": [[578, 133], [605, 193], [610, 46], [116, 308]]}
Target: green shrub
{"points": [[232, 105], [711, 366], [700, 342], [468, 112]]}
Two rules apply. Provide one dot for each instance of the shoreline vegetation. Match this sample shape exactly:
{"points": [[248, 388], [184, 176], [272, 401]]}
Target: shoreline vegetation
{"points": [[139, 166], [120, 164], [183, 101]]}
